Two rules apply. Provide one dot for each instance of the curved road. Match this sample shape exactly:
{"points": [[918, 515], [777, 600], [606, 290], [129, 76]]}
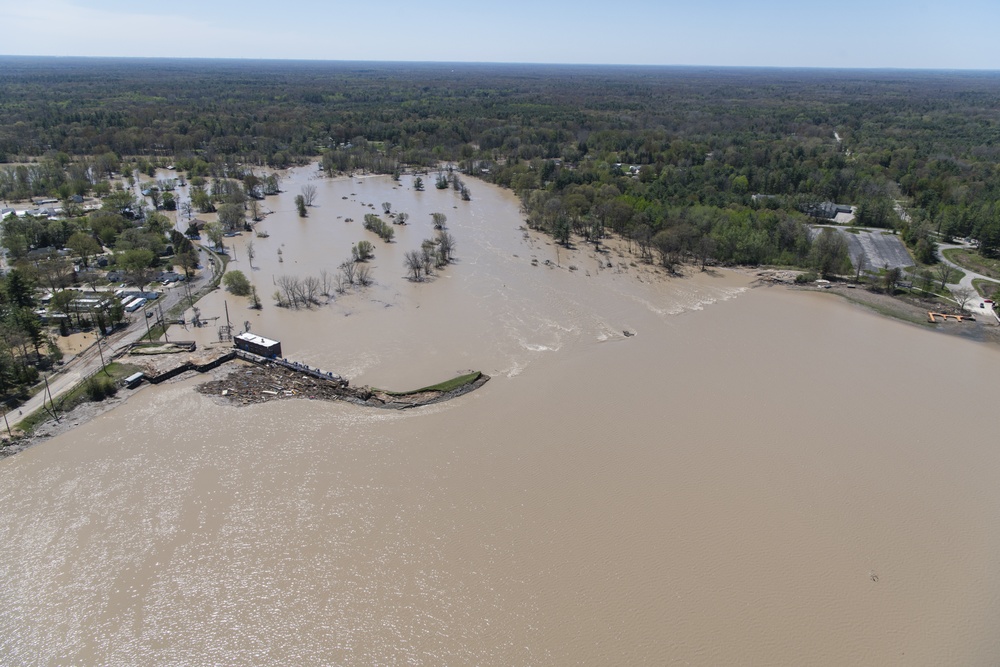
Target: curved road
{"points": [[966, 282]]}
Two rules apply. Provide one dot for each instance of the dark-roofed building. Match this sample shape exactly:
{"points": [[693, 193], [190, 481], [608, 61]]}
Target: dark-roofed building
{"points": [[827, 210]]}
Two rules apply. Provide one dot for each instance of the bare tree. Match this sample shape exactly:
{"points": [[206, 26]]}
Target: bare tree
{"points": [[55, 271], [340, 283], [255, 212], [429, 256], [402, 217], [861, 267], [288, 290], [439, 220], [944, 273], [446, 246], [964, 295], [414, 263], [309, 194], [349, 269], [365, 276], [312, 289], [386, 207], [325, 282], [250, 252]]}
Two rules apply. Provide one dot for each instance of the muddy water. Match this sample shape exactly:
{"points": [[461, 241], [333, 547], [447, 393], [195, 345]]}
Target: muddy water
{"points": [[757, 476], [493, 310]]}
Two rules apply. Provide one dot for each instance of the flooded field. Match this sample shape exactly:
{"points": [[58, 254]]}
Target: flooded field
{"points": [[756, 476]]}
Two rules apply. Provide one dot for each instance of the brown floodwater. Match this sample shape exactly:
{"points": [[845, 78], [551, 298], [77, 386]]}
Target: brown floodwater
{"points": [[757, 476]]}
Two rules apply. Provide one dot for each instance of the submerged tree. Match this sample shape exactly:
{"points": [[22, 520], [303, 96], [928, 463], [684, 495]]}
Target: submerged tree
{"points": [[414, 263], [237, 283], [309, 194]]}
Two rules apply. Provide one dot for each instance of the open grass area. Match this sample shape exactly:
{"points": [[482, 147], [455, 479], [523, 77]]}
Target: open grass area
{"points": [[973, 261], [921, 285], [113, 374], [447, 385], [986, 288]]}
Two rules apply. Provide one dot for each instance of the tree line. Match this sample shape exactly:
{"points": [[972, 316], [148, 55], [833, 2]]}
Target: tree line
{"points": [[665, 138]]}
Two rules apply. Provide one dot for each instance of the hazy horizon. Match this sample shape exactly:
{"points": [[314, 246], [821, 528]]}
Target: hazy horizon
{"points": [[882, 34], [445, 63]]}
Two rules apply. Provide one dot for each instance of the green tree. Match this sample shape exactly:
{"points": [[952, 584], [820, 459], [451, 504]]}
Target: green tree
{"points": [[20, 288], [237, 283], [83, 246], [213, 231], [891, 277], [232, 217], [300, 205], [561, 230], [829, 254], [120, 202], [362, 251], [138, 264]]}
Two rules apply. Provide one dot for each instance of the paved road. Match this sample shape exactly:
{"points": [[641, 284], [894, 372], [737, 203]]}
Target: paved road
{"points": [[976, 306], [89, 361]]}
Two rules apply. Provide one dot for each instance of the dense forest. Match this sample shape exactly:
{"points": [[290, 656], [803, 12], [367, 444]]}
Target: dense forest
{"points": [[713, 166], [671, 157]]}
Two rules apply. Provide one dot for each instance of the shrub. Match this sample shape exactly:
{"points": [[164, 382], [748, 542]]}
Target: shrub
{"points": [[100, 388], [803, 278], [237, 283]]}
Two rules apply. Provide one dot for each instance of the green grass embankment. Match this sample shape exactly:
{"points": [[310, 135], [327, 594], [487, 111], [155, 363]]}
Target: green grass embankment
{"points": [[446, 386], [986, 288], [975, 262], [108, 380]]}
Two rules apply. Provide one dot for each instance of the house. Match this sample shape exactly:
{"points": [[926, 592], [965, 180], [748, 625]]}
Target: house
{"points": [[259, 345], [168, 277], [88, 302], [827, 210]]}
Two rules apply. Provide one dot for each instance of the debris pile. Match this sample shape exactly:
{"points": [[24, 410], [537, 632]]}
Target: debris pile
{"points": [[248, 384]]}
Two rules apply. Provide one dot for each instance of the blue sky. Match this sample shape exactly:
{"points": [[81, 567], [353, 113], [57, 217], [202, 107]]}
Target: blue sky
{"points": [[850, 33]]}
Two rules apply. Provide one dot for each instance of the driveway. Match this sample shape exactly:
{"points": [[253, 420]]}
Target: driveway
{"points": [[977, 306]]}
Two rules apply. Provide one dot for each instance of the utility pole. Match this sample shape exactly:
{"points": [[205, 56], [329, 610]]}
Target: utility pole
{"points": [[149, 332], [159, 304], [101, 352], [48, 391]]}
